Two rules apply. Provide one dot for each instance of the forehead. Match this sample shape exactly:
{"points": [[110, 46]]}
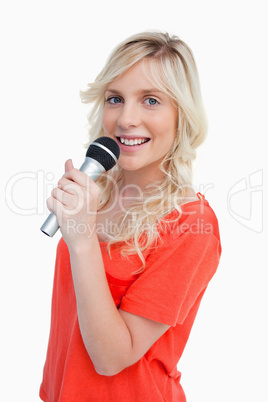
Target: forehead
{"points": [[138, 77]]}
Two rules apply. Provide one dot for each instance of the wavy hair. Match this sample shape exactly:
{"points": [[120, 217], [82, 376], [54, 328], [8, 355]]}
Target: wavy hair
{"points": [[174, 72]]}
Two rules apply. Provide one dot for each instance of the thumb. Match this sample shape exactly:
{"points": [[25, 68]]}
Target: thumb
{"points": [[68, 165]]}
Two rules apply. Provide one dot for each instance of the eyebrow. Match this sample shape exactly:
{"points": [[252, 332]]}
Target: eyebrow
{"points": [[141, 92]]}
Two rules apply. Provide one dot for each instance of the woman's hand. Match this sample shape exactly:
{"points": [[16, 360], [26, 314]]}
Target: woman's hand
{"points": [[75, 203], [113, 338]]}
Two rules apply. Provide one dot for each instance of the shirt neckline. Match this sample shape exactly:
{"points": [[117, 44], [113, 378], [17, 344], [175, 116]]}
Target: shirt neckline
{"points": [[201, 199]]}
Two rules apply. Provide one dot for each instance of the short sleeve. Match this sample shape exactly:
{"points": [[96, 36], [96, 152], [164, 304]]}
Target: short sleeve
{"points": [[176, 273]]}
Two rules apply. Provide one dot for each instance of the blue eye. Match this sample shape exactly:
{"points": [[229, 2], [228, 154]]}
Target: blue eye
{"points": [[151, 101], [114, 99]]}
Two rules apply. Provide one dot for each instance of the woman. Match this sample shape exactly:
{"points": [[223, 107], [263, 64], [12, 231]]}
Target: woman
{"points": [[128, 286]]}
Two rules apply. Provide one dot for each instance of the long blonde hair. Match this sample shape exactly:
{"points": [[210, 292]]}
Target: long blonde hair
{"points": [[174, 72]]}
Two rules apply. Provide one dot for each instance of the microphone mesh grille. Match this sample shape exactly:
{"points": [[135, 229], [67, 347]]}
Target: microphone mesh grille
{"points": [[102, 156]]}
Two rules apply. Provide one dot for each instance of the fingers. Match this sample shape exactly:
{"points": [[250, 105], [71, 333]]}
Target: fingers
{"points": [[63, 196], [75, 175], [70, 195], [67, 185], [78, 177], [75, 191], [68, 165], [77, 182], [53, 205]]}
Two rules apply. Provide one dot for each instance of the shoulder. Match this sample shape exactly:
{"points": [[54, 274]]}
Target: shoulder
{"points": [[196, 217], [187, 239]]}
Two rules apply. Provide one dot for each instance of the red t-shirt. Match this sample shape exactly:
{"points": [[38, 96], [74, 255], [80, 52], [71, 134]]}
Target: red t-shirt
{"points": [[169, 291]]}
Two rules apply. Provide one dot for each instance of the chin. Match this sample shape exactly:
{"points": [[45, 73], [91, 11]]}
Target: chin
{"points": [[129, 163], [129, 167]]}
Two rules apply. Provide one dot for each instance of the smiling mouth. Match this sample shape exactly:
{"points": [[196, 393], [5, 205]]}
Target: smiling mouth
{"points": [[132, 141]]}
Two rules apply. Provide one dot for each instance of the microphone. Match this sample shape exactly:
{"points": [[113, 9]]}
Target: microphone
{"points": [[101, 156]]}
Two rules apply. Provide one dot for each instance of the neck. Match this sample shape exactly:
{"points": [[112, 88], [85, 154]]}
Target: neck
{"points": [[134, 182]]}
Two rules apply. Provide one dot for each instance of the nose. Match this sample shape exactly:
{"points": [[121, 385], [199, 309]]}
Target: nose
{"points": [[129, 116]]}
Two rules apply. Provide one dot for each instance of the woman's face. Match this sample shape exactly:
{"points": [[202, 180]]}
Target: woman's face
{"points": [[142, 119]]}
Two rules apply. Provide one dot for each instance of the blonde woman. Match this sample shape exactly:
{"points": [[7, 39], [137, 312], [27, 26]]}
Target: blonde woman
{"points": [[132, 268]]}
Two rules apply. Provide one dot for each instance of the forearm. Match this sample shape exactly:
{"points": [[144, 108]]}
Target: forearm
{"points": [[114, 339], [104, 332]]}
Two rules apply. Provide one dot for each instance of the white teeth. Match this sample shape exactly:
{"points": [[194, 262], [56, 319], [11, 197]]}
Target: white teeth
{"points": [[132, 142]]}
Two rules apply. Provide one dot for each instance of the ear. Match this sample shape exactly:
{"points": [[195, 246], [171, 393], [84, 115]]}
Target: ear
{"points": [[68, 165]]}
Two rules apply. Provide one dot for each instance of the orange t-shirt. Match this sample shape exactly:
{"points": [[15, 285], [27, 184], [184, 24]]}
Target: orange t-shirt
{"points": [[169, 291]]}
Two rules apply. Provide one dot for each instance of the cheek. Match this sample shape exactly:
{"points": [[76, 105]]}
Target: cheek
{"points": [[104, 121], [107, 121], [172, 125], [166, 128]]}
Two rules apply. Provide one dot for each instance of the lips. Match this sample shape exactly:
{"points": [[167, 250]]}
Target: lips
{"points": [[132, 144], [134, 141]]}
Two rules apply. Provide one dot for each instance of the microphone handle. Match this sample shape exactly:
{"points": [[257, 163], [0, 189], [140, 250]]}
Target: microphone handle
{"points": [[94, 170]]}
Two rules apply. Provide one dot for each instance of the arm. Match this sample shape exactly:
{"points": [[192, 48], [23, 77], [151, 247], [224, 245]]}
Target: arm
{"points": [[114, 339]]}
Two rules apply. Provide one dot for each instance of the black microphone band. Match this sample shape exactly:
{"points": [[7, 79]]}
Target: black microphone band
{"points": [[97, 144]]}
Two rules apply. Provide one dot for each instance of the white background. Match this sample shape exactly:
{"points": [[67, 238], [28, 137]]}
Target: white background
{"points": [[52, 49]]}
